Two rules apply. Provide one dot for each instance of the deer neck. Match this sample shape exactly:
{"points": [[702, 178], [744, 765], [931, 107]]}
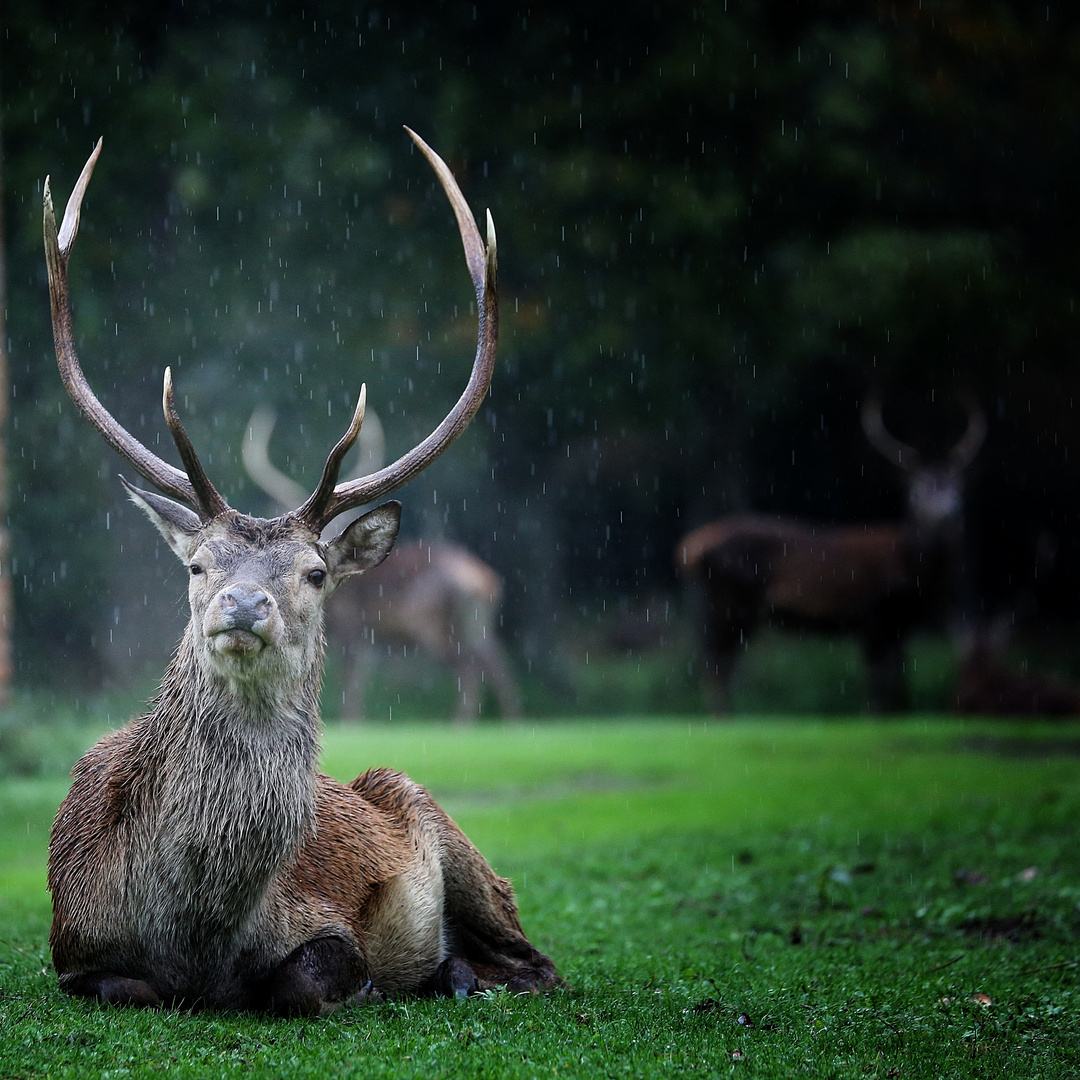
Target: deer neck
{"points": [[942, 537], [286, 700], [235, 778]]}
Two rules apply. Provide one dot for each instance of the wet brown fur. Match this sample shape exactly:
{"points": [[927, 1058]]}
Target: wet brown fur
{"points": [[877, 582], [200, 859], [438, 597]]}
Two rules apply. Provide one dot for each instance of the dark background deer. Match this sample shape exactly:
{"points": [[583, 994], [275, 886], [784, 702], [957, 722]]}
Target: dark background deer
{"points": [[435, 597], [877, 582], [989, 683], [200, 858]]}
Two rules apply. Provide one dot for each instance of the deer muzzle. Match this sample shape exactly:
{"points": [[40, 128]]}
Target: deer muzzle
{"points": [[241, 619]]}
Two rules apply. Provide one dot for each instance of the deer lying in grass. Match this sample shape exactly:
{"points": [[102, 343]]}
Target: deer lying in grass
{"points": [[200, 858], [436, 597], [878, 582], [988, 685]]}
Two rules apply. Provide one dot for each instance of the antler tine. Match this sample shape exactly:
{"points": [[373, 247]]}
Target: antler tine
{"points": [[965, 451], [315, 512], [331, 499], [882, 440], [255, 455], [209, 503], [58, 247]]}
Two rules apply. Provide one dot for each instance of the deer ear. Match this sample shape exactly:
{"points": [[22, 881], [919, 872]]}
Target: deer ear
{"points": [[174, 521], [365, 543]]}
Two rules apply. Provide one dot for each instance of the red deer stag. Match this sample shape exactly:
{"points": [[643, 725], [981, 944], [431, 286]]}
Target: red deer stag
{"points": [[200, 859], [437, 597], [878, 582]]}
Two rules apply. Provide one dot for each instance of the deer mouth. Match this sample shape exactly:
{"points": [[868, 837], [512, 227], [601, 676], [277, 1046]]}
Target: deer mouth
{"points": [[235, 641]]}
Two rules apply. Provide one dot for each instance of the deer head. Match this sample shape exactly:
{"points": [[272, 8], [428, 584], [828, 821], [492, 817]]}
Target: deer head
{"points": [[935, 488], [257, 586]]}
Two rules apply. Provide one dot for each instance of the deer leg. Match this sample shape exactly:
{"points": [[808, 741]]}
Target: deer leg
{"points": [[110, 989], [482, 921], [488, 660], [470, 688], [453, 978], [451, 648], [494, 663], [720, 666], [481, 925], [725, 639], [730, 615], [886, 683], [314, 979]]}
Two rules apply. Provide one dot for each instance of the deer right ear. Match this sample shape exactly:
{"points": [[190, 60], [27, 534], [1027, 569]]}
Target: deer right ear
{"points": [[365, 543], [174, 521]]}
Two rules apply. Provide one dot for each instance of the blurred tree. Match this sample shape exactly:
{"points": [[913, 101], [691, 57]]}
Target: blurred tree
{"points": [[5, 539]]}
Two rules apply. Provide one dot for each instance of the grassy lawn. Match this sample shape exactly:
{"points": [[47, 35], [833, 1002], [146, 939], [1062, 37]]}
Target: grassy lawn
{"points": [[758, 898]]}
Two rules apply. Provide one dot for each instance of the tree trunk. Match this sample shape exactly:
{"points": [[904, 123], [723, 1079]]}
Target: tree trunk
{"points": [[6, 612]]}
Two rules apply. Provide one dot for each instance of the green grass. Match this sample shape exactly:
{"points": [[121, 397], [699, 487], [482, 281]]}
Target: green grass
{"points": [[779, 674], [757, 898]]}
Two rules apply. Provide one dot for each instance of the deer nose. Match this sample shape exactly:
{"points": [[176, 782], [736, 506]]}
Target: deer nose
{"points": [[245, 605]]}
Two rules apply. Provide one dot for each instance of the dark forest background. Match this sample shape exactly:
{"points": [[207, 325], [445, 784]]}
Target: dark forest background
{"points": [[720, 226]]}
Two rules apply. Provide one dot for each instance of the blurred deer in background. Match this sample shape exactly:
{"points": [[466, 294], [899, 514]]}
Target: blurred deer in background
{"points": [[437, 597], [877, 582], [200, 858], [988, 685]]}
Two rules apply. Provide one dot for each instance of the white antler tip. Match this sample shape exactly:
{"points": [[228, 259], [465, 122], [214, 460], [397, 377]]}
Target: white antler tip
{"points": [[167, 392], [358, 414]]}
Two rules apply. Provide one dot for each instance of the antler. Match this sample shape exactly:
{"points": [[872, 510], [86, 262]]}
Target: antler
{"points": [[907, 457], [256, 458], [883, 440], [331, 498], [193, 488], [282, 488], [963, 453]]}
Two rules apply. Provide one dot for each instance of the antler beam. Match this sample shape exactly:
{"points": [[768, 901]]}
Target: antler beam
{"points": [[961, 455], [192, 487], [331, 498]]}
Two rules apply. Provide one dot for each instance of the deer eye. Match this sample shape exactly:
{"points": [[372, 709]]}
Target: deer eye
{"points": [[316, 578], [195, 568]]}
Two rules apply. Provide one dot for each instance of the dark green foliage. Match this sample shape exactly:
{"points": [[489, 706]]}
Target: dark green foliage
{"points": [[719, 226], [42, 734]]}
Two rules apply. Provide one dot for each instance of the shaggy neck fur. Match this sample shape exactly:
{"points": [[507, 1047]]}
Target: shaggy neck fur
{"points": [[235, 767]]}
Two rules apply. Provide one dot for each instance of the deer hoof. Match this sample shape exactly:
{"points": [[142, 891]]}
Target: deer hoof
{"points": [[453, 978], [368, 994], [111, 989]]}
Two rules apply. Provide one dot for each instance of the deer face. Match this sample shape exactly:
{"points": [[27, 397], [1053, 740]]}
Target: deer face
{"points": [[935, 494], [248, 595], [257, 587]]}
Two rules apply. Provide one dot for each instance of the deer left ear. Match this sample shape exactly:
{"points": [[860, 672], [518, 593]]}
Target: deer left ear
{"points": [[174, 521], [365, 543]]}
